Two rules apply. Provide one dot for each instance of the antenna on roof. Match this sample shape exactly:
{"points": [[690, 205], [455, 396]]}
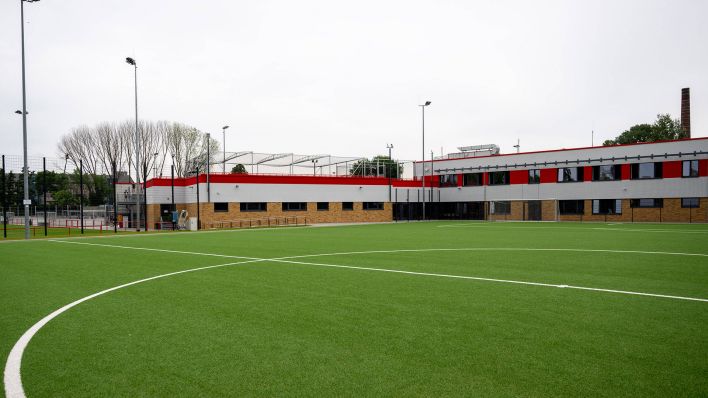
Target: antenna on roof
{"points": [[518, 145]]}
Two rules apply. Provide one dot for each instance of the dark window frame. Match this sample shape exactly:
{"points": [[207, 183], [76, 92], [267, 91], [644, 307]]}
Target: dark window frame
{"points": [[597, 172], [636, 170], [535, 176], [579, 174], [643, 203], [691, 173], [253, 206], [492, 180], [505, 207], [447, 180], [347, 206], [686, 205], [219, 207], [322, 206], [469, 179], [604, 208], [294, 206], [571, 207], [372, 205]]}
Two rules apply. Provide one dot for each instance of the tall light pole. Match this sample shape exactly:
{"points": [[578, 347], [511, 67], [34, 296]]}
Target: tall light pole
{"points": [[25, 170], [390, 162], [223, 132], [131, 61], [422, 108], [314, 167]]}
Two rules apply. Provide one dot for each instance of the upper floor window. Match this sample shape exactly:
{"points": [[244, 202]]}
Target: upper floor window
{"points": [[472, 179], [535, 176], [448, 180], [690, 168], [498, 178], [608, 172], [570, 174], [642, 171]]}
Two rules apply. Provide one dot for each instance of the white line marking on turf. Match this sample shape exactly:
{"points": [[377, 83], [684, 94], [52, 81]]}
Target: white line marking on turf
{"points": [[13, 378]]}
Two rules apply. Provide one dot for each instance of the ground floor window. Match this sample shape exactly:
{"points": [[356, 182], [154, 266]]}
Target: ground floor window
{"points": [[607, 206], [646, 203], [571, 207], [691, 203], [254, 206], [373, 205], [294, 206], [500, 207], [347, 205], [322, 206], [221, 207]]}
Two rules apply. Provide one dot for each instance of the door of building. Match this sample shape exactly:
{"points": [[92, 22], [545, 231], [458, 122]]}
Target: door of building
{"points": [[533, 210]]}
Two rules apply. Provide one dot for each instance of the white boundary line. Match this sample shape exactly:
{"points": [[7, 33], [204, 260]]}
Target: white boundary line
{"points": [[12, 373]]}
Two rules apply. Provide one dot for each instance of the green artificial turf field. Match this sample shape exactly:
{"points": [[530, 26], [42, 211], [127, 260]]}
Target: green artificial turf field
{"points": [[316, 311]]}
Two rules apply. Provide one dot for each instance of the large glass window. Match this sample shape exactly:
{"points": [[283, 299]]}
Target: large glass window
{"points": [[646, 203], [607, 206], [691, 203], [690, 168], [221, 207], [294, 206], [570, 174], [642, 171], [472, 179], [499, 178], [535, 176], [607, 172], [254, 206], [500, 207], [571, 206], [448, 180], [373, 205]]}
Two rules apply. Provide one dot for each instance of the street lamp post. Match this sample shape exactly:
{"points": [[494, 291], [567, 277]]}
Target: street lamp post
{"points": [[25, 170], [131, 61], [223, 132], [314, 167], [422, 108]]}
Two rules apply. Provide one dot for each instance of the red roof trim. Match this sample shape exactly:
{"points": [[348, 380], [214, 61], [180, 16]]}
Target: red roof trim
{"points": [[566, 149]]}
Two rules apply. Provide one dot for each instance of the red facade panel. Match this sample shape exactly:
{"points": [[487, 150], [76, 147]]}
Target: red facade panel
{"points": [[485, 178], [460, 179], [626, 171], [587, 173], [703, 167], [549, 176], [672, 169], [519, 177]]}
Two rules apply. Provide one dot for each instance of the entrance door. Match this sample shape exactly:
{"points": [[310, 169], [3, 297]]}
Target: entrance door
{"points": [[533, 210]]}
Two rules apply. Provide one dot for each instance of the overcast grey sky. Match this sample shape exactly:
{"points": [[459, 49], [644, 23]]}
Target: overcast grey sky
{"points": [[345, 78]]}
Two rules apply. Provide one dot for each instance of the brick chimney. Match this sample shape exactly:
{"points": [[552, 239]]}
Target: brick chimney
{"points": [[686, 112]]}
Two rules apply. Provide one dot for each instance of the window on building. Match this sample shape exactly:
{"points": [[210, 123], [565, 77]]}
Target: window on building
{"points": [[691, 203], [535, 176], [607, 172], [607, 206], [570, 174], [571, 206], [642, 171], [498, 178], [690, 168], [500, 207], [646, 203], [448, 180], [221, 207], [322, 206], [254, 206], [347, 205], [294, 206], [373, 205], [472, 179]]}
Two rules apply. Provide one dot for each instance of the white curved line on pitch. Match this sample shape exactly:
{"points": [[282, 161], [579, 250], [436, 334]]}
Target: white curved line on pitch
{"points": [[12, 377]]}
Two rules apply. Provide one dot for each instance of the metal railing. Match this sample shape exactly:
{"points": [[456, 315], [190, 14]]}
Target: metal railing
{"points": [[258, 222]]}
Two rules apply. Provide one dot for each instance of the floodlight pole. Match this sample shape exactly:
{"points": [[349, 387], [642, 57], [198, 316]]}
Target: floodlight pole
{"points": [[131, 61], [390, 161], [25, 170], [422, 108], [44, 192], [208, 167], [4, 201], [223, 135]]}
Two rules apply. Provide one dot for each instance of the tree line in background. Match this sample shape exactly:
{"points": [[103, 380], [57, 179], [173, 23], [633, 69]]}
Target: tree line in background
{"points": [[108, 143], [664, 128], [63, 189], [379, 165]]}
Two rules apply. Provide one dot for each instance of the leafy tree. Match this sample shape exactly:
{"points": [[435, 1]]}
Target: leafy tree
{"points": [[664, 128], [65, 198], [239, 169], [385, 165]]}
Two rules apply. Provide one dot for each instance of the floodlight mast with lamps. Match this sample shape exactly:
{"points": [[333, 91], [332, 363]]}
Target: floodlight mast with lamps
{"points": [[422, 107], [131, 61], [25, 171], [223, 132], [390, 162]]}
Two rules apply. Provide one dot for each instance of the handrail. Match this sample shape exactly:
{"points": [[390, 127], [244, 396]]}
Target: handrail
{"points": [[258, 222]]}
